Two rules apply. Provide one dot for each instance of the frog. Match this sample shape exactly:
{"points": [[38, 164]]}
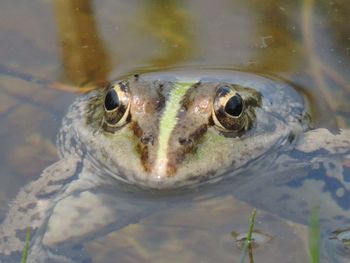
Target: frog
{"points": [[177, 134]]}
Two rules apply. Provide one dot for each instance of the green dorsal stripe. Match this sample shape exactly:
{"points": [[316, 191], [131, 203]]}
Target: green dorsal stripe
{"points": [[169, 120]]}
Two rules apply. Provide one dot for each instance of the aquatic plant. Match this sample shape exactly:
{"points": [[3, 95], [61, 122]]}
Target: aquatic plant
{"points": [[26, 247], [248, 241], [314, 237]]}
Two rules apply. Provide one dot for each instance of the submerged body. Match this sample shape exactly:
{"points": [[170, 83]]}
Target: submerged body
{"points": [[164, 131]]}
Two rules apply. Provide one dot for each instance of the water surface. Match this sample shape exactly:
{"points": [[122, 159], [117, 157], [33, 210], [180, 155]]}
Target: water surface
{"points": [[84, 43]]}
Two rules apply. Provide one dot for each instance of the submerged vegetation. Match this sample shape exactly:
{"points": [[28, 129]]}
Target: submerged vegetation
{"points": [[314, 237], [26, 247], [248, 242]]}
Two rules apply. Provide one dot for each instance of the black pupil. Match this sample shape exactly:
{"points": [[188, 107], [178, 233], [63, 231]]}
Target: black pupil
{"points": [[111, 100], [234, 106]]}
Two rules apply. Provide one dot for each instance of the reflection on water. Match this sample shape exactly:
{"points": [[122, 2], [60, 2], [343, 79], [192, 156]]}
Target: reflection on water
{"points": [[169, 23], [319, 68], [338, 13], [84, 56], [278, 47], [306, 42]]}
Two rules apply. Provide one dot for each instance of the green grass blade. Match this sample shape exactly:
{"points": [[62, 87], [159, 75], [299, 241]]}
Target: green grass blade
{"points": [[314, 237], [249, 235], [26, 247]]}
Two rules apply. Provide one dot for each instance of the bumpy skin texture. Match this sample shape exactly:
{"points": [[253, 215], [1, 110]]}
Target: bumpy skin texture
{"points": [[33, 203], [278, 113], [62, 204]]}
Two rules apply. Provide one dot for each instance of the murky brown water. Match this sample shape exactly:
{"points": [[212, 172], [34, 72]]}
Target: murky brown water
{"points": [[81, 43]]}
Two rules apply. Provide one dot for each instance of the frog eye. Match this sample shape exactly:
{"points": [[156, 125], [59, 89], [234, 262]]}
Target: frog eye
{"points": [[234, 106], [111, 100], [228, 109], [116, 106]]}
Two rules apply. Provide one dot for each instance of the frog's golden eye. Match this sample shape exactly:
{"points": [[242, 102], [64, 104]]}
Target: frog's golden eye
{"points": [[228, 109], [116, 106]]}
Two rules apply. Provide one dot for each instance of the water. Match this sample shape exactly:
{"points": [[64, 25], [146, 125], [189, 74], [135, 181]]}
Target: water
{"points": [[85, 43]]}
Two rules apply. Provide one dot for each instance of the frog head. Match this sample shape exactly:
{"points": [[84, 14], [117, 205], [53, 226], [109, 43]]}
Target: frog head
{"points": [[163, 132]]}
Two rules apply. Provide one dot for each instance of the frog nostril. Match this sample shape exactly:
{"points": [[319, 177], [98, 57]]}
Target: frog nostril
{"points": [[147, 139], [185, 141]]}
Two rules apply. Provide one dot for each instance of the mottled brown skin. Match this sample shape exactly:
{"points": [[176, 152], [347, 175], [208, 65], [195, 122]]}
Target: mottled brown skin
{"points": [[195, 118], [200, 133], [147, 103]]}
